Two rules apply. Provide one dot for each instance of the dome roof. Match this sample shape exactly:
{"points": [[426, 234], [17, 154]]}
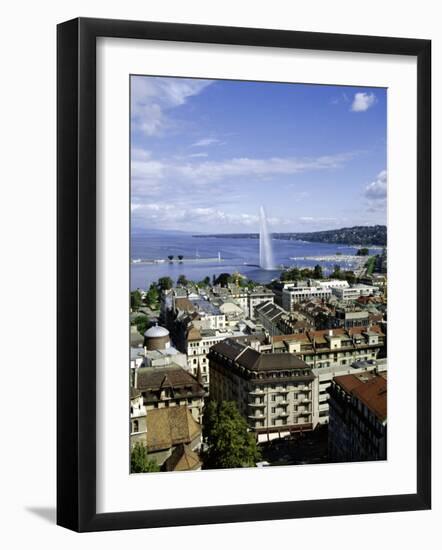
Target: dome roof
{"points": [[156, 332]]}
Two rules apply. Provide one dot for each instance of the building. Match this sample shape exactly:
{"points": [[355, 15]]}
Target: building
{"points": [[156, 337], [273, 391], [233, 312], [350, 317], [294, 294], [138, 427], [198, 343], [333, 347], [275, 320], [256, 296], [183, 458], [329, 283], [173, 438], [355, 291], [171, 386], [268, 314], [324, 377], [158, 351], [358, 417]]}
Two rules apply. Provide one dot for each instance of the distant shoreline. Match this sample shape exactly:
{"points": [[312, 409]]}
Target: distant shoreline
{"points": [[358, 236]]}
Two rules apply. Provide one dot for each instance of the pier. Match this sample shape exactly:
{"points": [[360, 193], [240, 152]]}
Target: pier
{"points": [[154, 261]]}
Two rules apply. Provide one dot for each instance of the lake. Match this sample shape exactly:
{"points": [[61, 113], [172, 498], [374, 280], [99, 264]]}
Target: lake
{"points": [[237, 254]]}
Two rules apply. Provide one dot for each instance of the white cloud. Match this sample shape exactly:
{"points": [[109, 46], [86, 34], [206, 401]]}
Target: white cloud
{"points": [[377, 189], [193, 177], [185, 216], [152, 97], [198, 155], [313, 219], [362, 101], [258, 168], [205, 142]]}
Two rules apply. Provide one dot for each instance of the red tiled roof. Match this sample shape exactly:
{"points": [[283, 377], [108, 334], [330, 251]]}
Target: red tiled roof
{"points": [[372, 392]]}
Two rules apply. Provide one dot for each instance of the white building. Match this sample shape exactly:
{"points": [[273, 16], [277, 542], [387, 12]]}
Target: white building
{"points": [[329, 283], [199, 343], [355, 291], [295, 294]]}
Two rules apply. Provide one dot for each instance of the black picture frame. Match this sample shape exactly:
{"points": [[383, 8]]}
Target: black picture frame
{"points": [[76, 274]]}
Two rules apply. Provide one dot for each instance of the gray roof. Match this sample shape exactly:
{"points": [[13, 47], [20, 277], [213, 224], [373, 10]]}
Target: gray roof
{"points": [[156, 332], [253, 360]]}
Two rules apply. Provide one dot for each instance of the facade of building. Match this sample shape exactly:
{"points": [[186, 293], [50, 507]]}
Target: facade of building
{"points": [[334, 347], [276, 320], [268, 314], [172, 386], [358, 417], [294, 294], [257, 296], [273, 391], [138, 426], [324, 377], [349, 318], [198, 344], [355, 291]]}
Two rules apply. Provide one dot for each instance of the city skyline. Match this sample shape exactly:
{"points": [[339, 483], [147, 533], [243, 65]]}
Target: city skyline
{"points": [[206, 154]]}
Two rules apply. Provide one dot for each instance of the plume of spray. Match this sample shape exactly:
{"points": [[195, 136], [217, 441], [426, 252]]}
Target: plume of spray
{"points": [[265, 243]]}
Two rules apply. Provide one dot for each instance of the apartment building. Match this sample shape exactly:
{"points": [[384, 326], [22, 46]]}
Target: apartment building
{"points": [[273, 391], [333, 347], [358, 417]]}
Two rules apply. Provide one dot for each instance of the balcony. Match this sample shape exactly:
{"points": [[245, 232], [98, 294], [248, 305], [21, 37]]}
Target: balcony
{"points": [[283, 414], [256, 416], [256, 391], [256, 404]]}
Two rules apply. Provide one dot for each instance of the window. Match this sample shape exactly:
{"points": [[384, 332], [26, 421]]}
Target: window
{"points": [[273, 410], [136, 426], [273, 397]]}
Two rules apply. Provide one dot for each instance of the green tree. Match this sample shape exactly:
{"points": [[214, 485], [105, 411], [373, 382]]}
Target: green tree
{"points": [[350, 277], [204, 283], [135, 300], [142, 323], [317, 272], [165, 283], [336, 273], [292, 274], [362, 252], [223, 279], [370, 264], [182, 280], [152, 296], [140, 462], [230, 444]]}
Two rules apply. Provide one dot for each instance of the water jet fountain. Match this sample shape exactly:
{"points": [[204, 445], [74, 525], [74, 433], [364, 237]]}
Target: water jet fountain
{"points": [[265, 243]]}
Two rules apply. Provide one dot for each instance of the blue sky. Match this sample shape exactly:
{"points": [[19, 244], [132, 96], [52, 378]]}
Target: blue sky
{"points": [[207, 153]]}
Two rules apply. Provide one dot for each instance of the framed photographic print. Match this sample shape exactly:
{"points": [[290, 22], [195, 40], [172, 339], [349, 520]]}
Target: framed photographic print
{"points": [[243, 272]]}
